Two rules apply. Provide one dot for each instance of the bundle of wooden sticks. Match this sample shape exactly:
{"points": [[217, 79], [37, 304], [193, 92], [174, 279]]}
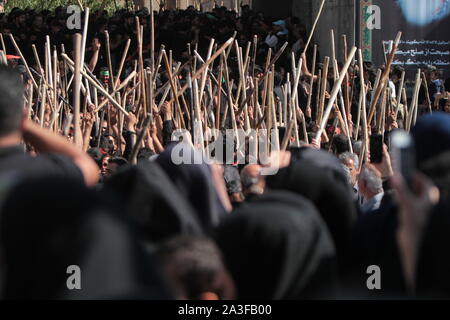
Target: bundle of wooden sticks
{"points": [[60, 84]]}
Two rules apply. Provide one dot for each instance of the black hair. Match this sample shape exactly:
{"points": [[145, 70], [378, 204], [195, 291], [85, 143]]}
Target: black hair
{"points": [[340, 144], [197, 263], [145, 154], [447, 84], [97, 155], [11, 100], [118, 160], [397, 71]]}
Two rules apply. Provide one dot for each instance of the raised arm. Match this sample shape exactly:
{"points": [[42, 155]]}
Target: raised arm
{"points": [[44, 141]]}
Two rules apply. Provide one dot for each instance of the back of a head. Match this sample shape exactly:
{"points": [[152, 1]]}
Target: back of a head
{"points": [[153, 202], [195, 267], [319, 177], [340, 144], [11, 100], [431, 136], [278, 249], [62, 223]]}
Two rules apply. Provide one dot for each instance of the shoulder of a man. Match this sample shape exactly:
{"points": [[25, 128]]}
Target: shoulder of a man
{"points": [[58, 164]]}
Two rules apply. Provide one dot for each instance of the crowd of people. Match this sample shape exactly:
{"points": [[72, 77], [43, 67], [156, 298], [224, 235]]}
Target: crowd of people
{"points": [[113, 201]]}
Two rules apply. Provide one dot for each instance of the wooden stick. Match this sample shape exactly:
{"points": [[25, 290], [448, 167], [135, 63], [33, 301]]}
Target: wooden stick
{"points": [[174, 88], [122, 62], [346, 91], [30, 101], [314, 26], [334, 93], [99, 87], [3, 59], [363, 106], [344, 119], [199, 71], [140, 138], [48, 64], [84, 39], [80, 4], [108, 58], [377, 82], [269, 62], [384, 78], [319, 91], [333, 55], [323, 89], [399, 94], [43, 103], [205, 74], [405, 110], [76, 90], [23, 60], [358, 117], [311, 80], [255, 50], [382, 115], [427, 93], [3, 43], [219, 93], [55, 77], [130, 77], [414, 99], [36, 57]]}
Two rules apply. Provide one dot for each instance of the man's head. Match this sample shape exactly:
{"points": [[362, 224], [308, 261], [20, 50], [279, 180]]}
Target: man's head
{"points": [[195, 268], [431, 73], [104, 164], [104, 75], [11, 101], [351, 161], [340, 144], [21, 18], [97, 155], [109, 143], [114, 164], [370, 182], [38, 21], [396, 74]]}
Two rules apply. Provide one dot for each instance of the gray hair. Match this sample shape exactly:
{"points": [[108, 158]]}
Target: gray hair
{"points": [[357, 146], [373, 182], [348, 176], [350, 156]]}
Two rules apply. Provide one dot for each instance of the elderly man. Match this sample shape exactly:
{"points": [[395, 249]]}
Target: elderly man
{"points": [[351, 161], [370, 185]]}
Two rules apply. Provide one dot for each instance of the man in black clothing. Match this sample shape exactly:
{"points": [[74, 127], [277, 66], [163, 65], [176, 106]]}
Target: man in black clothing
{"points": [[55, 155]]}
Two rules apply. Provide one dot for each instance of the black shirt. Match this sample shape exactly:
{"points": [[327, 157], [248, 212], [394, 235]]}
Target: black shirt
{"points": [[14, 161]]}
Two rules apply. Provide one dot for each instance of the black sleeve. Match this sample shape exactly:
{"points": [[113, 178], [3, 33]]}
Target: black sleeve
{"points": [[167, 132], [62, 166]]}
